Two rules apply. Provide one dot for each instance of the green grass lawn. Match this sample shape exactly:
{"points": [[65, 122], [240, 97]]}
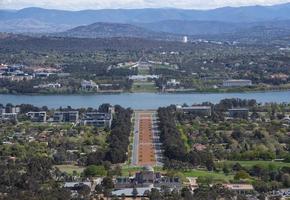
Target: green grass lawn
{"points": [[126, 170], [144, 87], [203, 173], [216, 176], [70, 168], [183, 136], [249, 164], [142, 71]]}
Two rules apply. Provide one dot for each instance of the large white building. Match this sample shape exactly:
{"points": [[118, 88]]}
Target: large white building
{"points": [[143, 77], [237, 83]]}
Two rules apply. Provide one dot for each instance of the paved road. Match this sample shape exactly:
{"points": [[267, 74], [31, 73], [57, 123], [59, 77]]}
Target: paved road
{"points": [[134, 159]]}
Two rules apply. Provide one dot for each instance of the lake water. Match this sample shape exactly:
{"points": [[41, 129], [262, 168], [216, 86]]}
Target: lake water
{"points": [[139, 100]]}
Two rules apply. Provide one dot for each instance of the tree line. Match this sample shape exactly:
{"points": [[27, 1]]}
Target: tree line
{"points": [[118, 140], [176, 154]]}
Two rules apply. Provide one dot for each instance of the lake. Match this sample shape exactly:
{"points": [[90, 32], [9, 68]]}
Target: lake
{"points": [[139, 100]]}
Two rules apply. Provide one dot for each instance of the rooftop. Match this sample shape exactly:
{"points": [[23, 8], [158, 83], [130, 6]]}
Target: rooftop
{"points": [[196, 107], [236, 80], [128, 192], [239, 186], [239, 109]]}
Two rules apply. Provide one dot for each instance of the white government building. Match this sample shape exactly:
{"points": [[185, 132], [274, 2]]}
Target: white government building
{"points": [[237, 83]]}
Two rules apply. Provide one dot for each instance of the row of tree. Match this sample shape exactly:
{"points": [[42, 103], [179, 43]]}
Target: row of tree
{"points": [[118, 140], [175, 151]]}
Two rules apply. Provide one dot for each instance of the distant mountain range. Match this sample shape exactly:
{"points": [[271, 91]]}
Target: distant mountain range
{"points": [[31, 26], [110, 30], [212, 27], [175, 30], [147, 23]]}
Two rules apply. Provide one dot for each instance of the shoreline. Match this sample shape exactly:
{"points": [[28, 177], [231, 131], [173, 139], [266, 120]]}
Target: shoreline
{"points": [[144, 92]]}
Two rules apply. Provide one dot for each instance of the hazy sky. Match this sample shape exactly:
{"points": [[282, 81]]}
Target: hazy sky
{"points": [[98, 4]]}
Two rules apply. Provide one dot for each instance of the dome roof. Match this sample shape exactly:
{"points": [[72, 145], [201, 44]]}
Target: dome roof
{"points": [[148, 168]]}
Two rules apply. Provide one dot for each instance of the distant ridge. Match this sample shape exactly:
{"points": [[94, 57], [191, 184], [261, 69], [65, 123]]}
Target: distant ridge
{"points": [[110, 30], [49, 20], [211, 27]]}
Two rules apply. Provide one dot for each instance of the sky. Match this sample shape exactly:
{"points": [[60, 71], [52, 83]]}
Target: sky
{"points": [[101, 4]]}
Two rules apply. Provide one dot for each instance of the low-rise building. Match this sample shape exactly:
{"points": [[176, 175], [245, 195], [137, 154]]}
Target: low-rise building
{"points": [[49, 85], [43, 74], [9, 113], [8, 116], [2, 110], [240, 188], [172, 83], [89, 84], [237, 83], [97, 119], [197, 110], [66, 116], [279, 76], [147, 178], [10, 109], [37, 116], [16, 77], [128, 192]]}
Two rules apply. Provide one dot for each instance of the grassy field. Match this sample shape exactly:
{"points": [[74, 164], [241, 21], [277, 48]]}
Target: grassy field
{"points": [[202, 173], [249, 164], [183, 137], [142, 71], [129, 170], [70, 168], [144, 87]]}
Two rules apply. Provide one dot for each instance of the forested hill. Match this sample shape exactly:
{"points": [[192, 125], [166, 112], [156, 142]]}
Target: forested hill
{"points": [[109, 30], [10, 42], [195, 27]]}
